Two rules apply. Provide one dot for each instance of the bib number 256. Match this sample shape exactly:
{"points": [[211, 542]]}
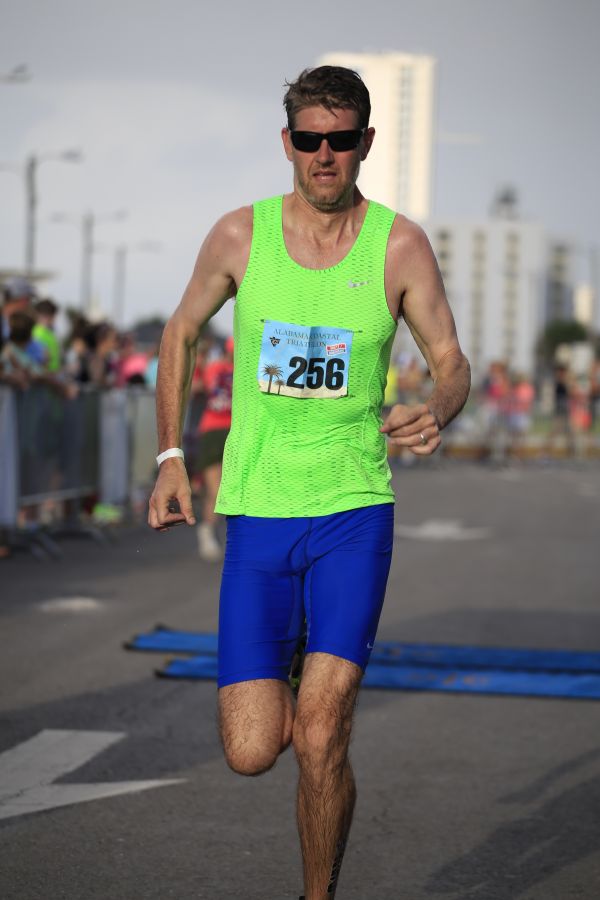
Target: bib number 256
{"points": [[319, 372]]}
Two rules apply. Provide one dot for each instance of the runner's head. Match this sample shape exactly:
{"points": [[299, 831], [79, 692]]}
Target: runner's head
{"points": [[332, 87], [327, 136]]}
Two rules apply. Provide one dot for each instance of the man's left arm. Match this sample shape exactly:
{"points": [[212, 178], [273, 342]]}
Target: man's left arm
{"points": [[427, 313]]}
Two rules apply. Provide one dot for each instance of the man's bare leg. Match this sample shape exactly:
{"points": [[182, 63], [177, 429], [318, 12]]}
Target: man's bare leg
{"points": [[326, 789], [255, 719]]}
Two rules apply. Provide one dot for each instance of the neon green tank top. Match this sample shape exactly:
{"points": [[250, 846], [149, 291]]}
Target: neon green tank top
{"points": [[312, 350]]}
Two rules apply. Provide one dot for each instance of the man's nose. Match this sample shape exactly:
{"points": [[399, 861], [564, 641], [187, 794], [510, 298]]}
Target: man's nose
{"points": [[325, 153]]}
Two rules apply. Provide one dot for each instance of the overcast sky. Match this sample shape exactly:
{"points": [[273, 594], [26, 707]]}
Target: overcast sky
{"points": [[176, 107]]}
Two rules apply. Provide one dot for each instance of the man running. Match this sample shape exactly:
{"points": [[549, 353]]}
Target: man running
{"points": [[321, 277]]}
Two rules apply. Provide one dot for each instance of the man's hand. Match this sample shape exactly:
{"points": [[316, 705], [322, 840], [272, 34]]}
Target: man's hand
{"points": [[171, 500], [414, 427]]}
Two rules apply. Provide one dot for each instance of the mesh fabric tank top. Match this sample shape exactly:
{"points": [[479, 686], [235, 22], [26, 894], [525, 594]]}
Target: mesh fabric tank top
{"points": [[312, 350]]}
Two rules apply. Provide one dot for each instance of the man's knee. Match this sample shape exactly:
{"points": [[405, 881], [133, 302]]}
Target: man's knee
{"points": [[255, 721], [323, 723], [251, 755], [321, 739]]}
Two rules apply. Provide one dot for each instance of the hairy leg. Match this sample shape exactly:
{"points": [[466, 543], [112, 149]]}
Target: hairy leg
{"points": [[326, 789], [255, 720]]}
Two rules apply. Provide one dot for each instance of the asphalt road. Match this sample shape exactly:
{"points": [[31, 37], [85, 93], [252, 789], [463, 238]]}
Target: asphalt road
{"points": [[464, 797]]}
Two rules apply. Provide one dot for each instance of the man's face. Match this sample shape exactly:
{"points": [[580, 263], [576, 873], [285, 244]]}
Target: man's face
{"points": [[326, 178]]}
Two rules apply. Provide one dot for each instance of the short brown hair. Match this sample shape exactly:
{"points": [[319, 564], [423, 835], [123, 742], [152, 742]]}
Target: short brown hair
{"points": [[333, 87], [46, 307]]}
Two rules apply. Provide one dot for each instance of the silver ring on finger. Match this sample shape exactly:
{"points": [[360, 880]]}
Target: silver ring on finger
{"points": [[423, 438]]}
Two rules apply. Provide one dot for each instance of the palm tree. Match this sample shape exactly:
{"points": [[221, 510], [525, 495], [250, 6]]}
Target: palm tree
{"points": [[272, 371], [280, 383]]}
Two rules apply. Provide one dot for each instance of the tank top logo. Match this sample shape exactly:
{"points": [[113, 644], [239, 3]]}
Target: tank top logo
{"points": [[307, 362]]}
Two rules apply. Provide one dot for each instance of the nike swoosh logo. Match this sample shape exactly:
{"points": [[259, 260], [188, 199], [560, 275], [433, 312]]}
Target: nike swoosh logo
{"points": [[358, 283]]}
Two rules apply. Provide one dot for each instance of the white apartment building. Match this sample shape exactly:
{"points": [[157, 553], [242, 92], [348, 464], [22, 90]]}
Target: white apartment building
{"points": [[495, 274], [398, 171]]}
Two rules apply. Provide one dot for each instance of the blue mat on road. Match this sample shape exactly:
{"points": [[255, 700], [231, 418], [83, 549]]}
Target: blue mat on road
{"points": [[391, 653], [165, 640], [421, 678]]}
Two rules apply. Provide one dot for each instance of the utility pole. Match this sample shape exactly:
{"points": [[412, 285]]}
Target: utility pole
{"points": [[31, 199]]}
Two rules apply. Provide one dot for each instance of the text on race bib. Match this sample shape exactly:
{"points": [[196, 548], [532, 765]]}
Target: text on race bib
{"points": [[305, 362]]}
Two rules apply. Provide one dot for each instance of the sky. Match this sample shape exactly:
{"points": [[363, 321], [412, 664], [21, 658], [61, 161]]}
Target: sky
{"points": [[177, 109]]}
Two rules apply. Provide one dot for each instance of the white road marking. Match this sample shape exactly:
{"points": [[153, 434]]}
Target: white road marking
{"points": [[589, 489], [510, 475], [71, 604], [441, 530], [28, 770]]}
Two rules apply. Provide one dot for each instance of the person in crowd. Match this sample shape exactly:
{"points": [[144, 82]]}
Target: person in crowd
{"points": [[520, 404], [15, 355], [18, 361], [213, 428], [390, 396], [131, 362], [579, 407], [495, 396], [18, 295], [561, 425], [151, 373], [594, 391], [77, 351], [410, 379], [101, 363], [321, 276], [195, 409], [44, 333]]}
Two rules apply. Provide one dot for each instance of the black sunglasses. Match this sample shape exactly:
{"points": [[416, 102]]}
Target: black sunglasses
{"points": [[339, 141]]}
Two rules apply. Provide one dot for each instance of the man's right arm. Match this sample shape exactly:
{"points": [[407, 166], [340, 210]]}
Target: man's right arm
{"points": [[218, 271]]}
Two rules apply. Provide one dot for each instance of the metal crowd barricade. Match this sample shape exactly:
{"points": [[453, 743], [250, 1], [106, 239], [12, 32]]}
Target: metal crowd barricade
{"points": [[66, 454], [9, 459], [58, 445], [141, 459], [49, 463]]}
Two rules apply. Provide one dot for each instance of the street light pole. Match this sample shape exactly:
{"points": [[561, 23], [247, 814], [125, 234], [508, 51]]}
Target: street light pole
{"points": [[119, 284], [87, 257], [87, 223], [30, 213], [31, 199]]}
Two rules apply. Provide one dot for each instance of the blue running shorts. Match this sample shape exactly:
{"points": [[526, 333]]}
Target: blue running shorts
{"points": [[331, 570]]}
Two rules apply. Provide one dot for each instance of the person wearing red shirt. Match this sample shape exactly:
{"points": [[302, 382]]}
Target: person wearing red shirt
{"points": [[213, 428]]}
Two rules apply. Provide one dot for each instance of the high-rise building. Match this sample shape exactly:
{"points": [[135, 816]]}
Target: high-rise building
{"points": [[399, 169], [494, 272]]}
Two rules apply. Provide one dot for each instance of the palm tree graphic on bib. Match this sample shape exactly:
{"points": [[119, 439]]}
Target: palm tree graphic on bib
{"points": [[273, 371]]}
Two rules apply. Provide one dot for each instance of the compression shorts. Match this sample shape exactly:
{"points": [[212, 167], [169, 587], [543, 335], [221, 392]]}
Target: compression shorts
{"points": [[328, 570]]}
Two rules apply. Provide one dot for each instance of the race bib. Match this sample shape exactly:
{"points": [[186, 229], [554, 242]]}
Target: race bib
{"points": [[304, 362]]}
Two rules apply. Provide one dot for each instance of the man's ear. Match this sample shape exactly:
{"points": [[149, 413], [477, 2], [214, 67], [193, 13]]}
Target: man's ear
{"points": [[287, 142], [368, 138]]}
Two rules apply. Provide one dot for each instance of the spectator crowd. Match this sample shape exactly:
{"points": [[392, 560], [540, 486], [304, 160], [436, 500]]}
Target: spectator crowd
{"points": [[96, 355], [92, 353]]}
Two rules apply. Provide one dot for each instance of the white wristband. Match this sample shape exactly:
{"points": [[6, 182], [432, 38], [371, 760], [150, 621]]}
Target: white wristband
{"points": [[167, 454]]}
